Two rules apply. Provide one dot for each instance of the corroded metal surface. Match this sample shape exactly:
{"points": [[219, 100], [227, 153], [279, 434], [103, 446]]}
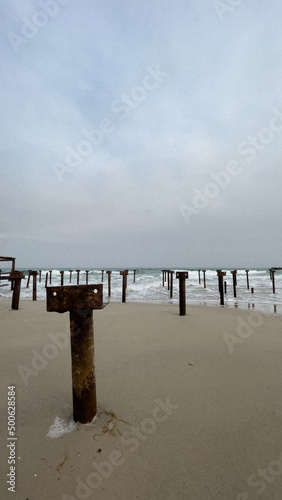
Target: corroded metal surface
{"points": [[80, 301], [220, 275], [124, 283], [109, 282], [182, 276], [83, 297], [83, 368], [16, 277]]}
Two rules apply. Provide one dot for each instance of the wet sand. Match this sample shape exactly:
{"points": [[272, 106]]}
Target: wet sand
{"points": [[188, 407]]}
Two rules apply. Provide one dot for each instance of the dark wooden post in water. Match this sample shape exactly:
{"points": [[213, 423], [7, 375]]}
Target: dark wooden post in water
{"points": [[40, 276], [220, 275], [168, 279], [102, 275], [77, 276], [34, 283], [163, 276], [273, 279], [225, 287], [234, 273], [80, 302], [16, 277], [87, 277], [124, 283], [109, 282], [182, 276], [204, 274], [247, 276], [50, 276], [62, 278], [28, 279], [199, 275], [134, 271], [46, 280], [70, 270]]}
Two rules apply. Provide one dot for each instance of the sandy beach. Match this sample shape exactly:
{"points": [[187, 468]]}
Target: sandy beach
{"points": [[188, 407]]}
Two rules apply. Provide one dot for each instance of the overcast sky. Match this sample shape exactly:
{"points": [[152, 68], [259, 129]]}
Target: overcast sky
{"points": [[141, 133]]}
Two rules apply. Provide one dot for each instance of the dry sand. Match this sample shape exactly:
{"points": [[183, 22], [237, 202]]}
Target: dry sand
{"points": [[180, 415]]}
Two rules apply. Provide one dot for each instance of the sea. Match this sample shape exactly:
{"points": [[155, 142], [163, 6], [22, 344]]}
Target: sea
{"points": [[148, 287]]}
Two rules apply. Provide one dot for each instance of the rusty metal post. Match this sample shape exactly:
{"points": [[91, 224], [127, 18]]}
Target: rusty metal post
{"points": [[109, 282], [102, 275], [16, 277], [252, 290], [234, 273], [134, 271], [171, 283], [87, 277], [163, 276], [225, 287], [199, 275], [34, 283], [273, 280], [182, 276], [46, 280], [247, 276], [77, 276], [204, 274], [220, 275], [62, 278], [50, 277], [70, 270], [28, 279], [80, 302], [124, 282], [40, 276], [168, 276]]}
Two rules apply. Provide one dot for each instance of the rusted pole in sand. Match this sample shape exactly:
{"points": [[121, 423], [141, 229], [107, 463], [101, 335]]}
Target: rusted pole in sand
{"points": [[273, 280], [204, 275], [34, 284], [28, 279], [80, 302], [234, 273], [171, 283], [16, 277], [247, 276], [109, 282], [124, 283], [77, 276], [220, 275], [182, 276]]}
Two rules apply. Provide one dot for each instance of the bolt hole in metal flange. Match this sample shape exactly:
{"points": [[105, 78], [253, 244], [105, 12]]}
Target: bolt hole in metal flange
{"points": [[95, 291], [54, 294]]}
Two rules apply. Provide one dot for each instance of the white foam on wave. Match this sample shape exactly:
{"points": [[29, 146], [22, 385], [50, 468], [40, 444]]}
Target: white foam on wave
{"points": [[60, 427]]}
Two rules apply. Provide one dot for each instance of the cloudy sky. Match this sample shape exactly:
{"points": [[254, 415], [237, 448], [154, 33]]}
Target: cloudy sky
{"points": [[141, 133]]}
